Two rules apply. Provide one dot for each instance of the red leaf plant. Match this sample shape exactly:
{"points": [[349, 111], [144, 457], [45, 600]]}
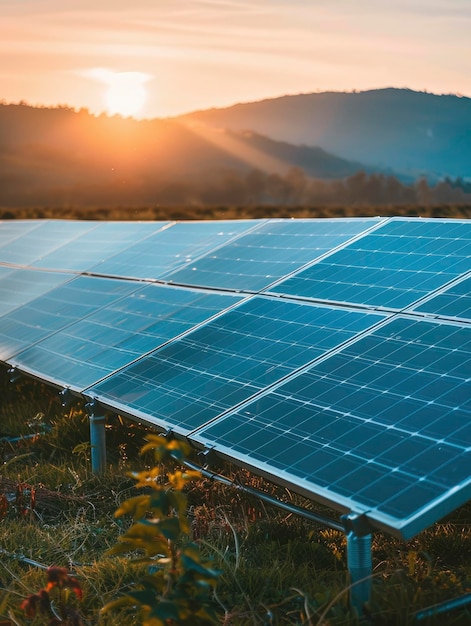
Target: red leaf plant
{"points": [[60, 583]]}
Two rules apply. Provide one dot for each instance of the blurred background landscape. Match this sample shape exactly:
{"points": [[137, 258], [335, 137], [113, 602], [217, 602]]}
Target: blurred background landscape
{"points": [[381, 148]]}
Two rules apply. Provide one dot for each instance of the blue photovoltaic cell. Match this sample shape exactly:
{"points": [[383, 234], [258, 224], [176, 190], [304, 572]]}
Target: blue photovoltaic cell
{"points": [[213, 368], [54, 310], [42, 239], [96, 245], [382, 426], [391, 267], [271, 251], [19, 286], [113, 336], [452, 302], [170, 248]]}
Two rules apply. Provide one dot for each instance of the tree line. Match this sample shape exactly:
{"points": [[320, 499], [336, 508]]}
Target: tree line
{"points": [[236, 188], [295, 188]]}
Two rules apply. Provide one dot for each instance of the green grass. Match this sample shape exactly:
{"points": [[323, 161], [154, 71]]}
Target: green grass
{"points": [[276, 568]]}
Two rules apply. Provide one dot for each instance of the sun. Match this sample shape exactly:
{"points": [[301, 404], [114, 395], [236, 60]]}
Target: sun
{"points": [[126, 92]]}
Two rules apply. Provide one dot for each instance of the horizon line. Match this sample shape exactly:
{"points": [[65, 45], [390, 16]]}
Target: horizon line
{"points": [[69, 107]]}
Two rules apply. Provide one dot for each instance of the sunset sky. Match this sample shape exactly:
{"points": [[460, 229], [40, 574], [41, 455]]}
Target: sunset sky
{"points": [[175, 56]]}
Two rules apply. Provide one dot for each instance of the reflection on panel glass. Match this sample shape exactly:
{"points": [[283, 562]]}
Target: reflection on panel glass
{"points": [[96, 245], [385, 422], [170, 248], [12, 229], [43, 239], [221, 364], [393, 266], [118, 333], [19, 286], [266, 254], [452, 302], [48, 313]]}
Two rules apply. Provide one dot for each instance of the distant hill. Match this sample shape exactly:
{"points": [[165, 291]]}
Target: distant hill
{"points": [[60, 156], [411, 132], [315, 161]]}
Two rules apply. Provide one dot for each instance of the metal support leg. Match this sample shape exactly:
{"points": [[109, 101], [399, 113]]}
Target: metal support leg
{"points": [[97, 439], [98, 443], [360, 566]]}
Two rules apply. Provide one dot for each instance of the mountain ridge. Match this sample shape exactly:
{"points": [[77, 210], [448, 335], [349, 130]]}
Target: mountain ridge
{"points": [[411, 132]]}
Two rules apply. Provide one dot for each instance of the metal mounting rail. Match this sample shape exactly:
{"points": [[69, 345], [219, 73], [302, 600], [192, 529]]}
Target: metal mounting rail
{"points": [[265, 497]]}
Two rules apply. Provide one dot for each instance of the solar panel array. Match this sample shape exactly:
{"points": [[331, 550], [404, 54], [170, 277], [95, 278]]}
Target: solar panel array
{"points": [[332, 356]]}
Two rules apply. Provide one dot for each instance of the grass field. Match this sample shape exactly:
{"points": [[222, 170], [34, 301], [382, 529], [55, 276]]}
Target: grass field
{"points": [[277, 568], [460, 211]]}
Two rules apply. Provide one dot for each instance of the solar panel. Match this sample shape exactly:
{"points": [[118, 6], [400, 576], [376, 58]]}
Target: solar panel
{"points": [[256, 259], [18, 286], [343, 372], [393, 266], [111, 337], [24, 326], [96, 245], [192, 380], [381, 427], [170, 248], [454, 301], [44, 237]]}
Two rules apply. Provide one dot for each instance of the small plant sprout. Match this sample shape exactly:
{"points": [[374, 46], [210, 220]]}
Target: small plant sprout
{"points": [[178, 588]]}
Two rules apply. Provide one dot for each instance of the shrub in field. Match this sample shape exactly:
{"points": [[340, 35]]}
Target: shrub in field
{"points": [[179, 584]]}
